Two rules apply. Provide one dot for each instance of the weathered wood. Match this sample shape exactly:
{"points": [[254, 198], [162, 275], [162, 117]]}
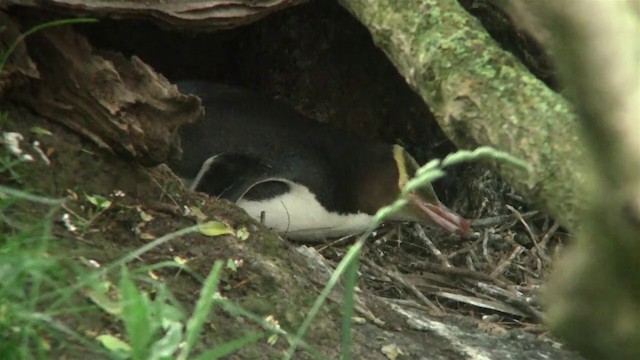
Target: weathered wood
{"points": [[121, 105], [195, 15]]}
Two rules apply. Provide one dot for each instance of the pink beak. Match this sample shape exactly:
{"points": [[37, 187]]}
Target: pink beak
{"points": [[440, 215]]}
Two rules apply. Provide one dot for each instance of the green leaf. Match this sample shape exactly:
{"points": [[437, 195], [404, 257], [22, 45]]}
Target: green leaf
{"points": [[144, 216], [272, 339], [99, 201], [214, 228], [114, 344], [242, 233], [197, 213], [202, 310], [136, 315], [231, 265], [99, 295], [170, 314], [166, 347], [40, 131]]}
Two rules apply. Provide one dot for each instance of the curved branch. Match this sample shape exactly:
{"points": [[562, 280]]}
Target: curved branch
{"points": [[482, 95]]}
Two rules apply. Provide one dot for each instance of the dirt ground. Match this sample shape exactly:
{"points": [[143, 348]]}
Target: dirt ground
{"points": [[78, 168], [397, 263], [489, 283]]}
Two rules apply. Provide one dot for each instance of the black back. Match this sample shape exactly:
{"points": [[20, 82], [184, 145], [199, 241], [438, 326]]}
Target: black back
{"points": [[273, 141]]}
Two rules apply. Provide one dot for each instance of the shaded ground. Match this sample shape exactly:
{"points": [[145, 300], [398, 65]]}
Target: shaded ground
{"points": [[319, 61], [268, 281], [78, 169]]}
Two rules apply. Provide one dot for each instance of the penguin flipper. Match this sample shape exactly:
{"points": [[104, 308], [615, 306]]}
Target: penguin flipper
{"points": [[230, 175]]}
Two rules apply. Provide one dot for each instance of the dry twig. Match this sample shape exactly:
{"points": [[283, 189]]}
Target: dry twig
{"points": [[398, 277]]}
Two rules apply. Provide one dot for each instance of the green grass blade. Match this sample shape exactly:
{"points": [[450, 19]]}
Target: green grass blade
{"points": [[19, 39], [340, 269], [202, 310], [229, 347], [18, 194], [350, 283], [157, 242], [136, 315], [485, 152]]}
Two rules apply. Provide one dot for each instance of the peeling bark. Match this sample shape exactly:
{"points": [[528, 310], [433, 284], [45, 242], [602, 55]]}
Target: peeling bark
{"points": [[176, 14], [121, 105]]}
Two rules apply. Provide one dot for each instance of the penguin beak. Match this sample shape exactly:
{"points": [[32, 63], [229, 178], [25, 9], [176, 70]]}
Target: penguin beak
{"points": [[440, 215]]}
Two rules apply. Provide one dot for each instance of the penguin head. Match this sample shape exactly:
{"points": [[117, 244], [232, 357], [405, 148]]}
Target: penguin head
{"points": [[423, 205]]}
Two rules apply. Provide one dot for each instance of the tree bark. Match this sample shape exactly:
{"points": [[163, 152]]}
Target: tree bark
{"points": [[482, 95], [122, 105], [595, 296]]}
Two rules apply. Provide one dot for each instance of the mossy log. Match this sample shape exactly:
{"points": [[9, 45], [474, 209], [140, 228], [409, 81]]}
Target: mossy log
{"points": [[482, 95]]}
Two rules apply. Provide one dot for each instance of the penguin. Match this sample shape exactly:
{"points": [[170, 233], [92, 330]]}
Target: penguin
{"points": [[304, 179]]}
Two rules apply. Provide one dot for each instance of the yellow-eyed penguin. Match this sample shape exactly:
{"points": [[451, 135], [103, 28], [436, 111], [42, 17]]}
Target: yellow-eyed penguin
{"points": [[306, 180]]}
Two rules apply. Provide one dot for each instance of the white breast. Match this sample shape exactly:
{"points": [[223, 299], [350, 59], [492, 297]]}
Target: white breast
{"points": [[298, 215]]}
